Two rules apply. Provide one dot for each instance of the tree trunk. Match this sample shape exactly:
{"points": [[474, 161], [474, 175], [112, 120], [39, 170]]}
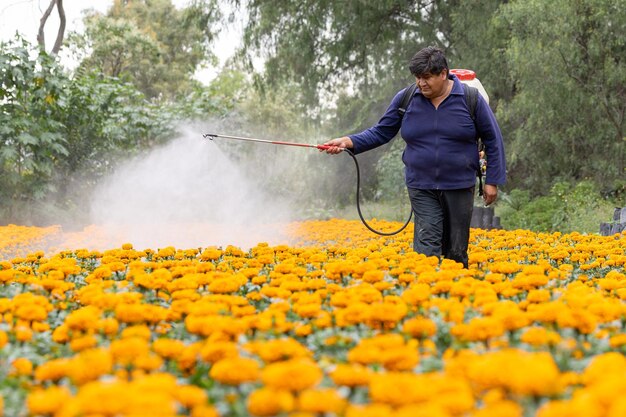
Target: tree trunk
{"points": [[41, 37]]}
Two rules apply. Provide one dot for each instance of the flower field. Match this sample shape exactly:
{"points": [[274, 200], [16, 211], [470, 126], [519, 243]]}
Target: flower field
{"points": [[339, 322]]}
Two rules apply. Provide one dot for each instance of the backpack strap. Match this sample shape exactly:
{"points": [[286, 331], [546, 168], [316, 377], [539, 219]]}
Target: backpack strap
{"points": [[471, 100], [406, 99]]}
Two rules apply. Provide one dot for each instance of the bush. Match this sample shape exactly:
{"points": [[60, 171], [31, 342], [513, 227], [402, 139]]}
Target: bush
{"points": [[567, 208]]}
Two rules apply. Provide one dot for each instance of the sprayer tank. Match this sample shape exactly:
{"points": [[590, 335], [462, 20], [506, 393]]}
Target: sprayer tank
{"points": [[469, 77]]}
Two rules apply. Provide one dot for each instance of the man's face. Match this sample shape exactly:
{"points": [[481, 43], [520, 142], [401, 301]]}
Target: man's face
{"points": [[432, 85]]}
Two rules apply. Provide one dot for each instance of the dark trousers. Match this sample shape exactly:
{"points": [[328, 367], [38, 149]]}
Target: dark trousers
{"points": [[442, 222]]}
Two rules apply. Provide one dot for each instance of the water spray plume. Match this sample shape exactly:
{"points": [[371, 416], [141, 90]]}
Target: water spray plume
{"points": [[322, 147]]}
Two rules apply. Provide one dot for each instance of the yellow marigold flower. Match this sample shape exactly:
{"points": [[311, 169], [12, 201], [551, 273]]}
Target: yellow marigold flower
{"points": [[351, 375], [519, 372], [212, 352], [85, 318], [310, 310], [581, 406], [279, 349], [401, 358], [479, 329], [540, 336], [47, 401], [322, 400], [204, 410], [369, 410], [538, 296], [89, 365], [31, 312], [617, 340], [227, 285], [396, 389], [109, 326], [235, 371], [504, 408], [429, 409], [22, 366], [373, 276], [419, 327], [292, 375], [23, 333], [52, 370], [149, 362], [83, 342], [125, 351], [190, 396], [269, 402], [4, 339], [168, 348], [140, 330], [416, 294], [602, 365]]}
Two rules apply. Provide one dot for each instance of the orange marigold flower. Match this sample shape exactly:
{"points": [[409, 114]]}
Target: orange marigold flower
{"points": [[52, 370], [323, 400], [351, 375], [47, 401], [269, 402], [204, 410], [190, 396], [292, 375], [235, 371], [420, 327], [22, 366]]}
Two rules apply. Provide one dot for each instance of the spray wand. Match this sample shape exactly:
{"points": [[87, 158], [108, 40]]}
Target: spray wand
{"points": [[212, 136]]}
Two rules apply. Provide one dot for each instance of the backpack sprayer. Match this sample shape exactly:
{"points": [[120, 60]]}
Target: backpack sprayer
{"points": [[212, 136]]}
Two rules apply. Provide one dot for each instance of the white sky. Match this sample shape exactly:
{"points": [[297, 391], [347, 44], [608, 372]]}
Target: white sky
{"points": [[23, 16]]}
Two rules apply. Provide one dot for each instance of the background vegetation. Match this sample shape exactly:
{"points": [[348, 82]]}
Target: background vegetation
{"points": [[554, 70]]}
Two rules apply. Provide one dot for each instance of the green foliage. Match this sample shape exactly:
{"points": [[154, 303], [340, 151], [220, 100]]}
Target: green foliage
{"points": [[151, 44], [324, 46], [31, 92], [566, 120], [60, 134], [566, 208]]}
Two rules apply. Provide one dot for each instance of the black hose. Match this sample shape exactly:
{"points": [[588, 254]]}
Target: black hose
{"points": [[358, 204]]}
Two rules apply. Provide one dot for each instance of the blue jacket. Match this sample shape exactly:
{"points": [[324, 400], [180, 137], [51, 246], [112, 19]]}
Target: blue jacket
{"points": [[441, 151]]}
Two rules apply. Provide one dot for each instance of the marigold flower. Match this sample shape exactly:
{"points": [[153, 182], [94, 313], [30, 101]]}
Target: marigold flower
{"points": [[369, 410], [351, 375], [168, 348], [235, 371], [269, 402], [125, 351], [52, 370], [292, 375], [22, 366], [323, 400], [47, 401], [83, 342], [204, 410], [419, 327]]}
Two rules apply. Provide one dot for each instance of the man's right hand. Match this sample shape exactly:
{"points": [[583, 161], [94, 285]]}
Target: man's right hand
{"points": [[338, 145]]}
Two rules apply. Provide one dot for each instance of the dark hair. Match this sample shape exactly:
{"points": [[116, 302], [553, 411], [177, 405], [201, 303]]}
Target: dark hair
{"points": [[429, 60]]}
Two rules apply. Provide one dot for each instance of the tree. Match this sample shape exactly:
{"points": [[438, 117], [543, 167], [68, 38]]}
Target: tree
{"points": [[326, 46], [567, 117], [152, 44], [30, 137], [60, 134]]}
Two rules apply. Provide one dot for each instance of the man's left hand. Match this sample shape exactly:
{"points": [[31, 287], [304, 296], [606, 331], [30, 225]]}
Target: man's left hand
{"points": [[490, 193]]}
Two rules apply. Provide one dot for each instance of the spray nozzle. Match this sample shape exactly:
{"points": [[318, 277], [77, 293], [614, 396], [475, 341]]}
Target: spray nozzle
{"points": [[211, 136]]}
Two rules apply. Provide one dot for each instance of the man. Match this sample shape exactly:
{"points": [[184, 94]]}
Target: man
{"points": [[441, 156]]}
